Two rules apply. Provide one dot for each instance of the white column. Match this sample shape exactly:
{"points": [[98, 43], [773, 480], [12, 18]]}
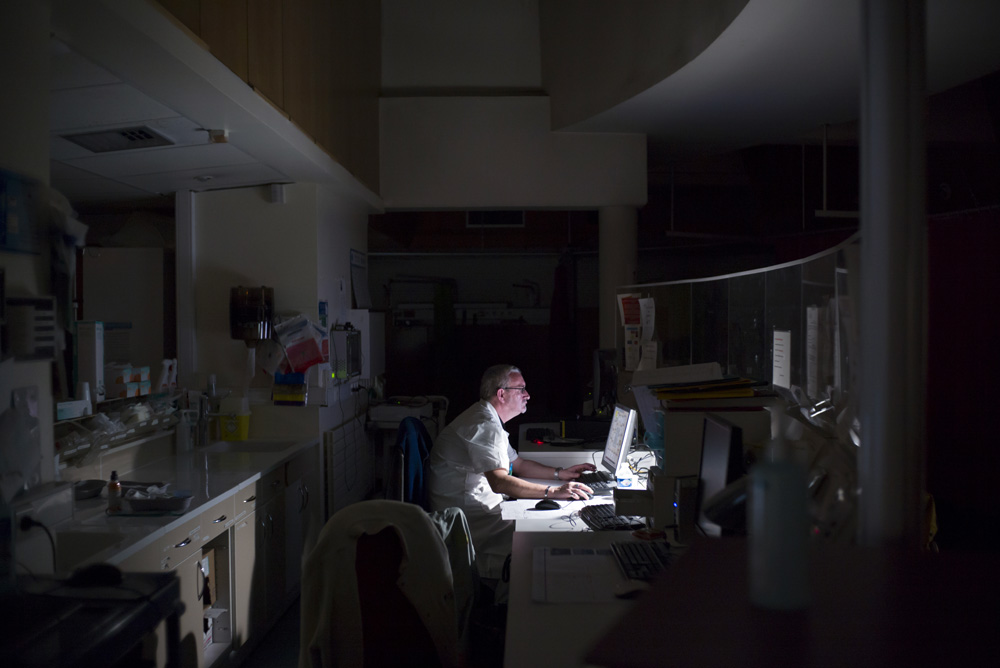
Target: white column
{"points": [[892, 365], [616, 260], [187, 347]]}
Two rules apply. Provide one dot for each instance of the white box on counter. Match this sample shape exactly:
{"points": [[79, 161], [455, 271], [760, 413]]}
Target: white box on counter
{"points": [[90, 357], [67, 410]]}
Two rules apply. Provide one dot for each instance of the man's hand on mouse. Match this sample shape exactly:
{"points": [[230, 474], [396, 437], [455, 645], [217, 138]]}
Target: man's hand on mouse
{"points": [[571, 490], [573, 472]]}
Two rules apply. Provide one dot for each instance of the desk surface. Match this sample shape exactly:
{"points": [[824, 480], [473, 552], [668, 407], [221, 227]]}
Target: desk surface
{"points": [[870, 607], [556, 634]]}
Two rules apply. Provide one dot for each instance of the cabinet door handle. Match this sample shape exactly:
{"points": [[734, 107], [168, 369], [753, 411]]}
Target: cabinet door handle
{"points": [[183, 542], [249, 499], [222, 518]]}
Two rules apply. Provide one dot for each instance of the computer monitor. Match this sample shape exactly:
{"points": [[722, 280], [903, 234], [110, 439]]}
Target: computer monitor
{"points": [[619, 438], [721, 465]]}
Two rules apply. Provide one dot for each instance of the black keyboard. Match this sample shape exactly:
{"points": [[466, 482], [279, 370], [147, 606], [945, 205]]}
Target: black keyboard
{"points": [[602, 517], [597, 480], [642, 560]]}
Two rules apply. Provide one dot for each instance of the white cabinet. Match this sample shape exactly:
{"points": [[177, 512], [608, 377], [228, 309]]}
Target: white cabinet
{"points": [[303, 514], [181, 550], [255, 538], [259, 557]]}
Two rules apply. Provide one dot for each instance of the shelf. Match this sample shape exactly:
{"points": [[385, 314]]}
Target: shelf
{"points": [[142, 432]]}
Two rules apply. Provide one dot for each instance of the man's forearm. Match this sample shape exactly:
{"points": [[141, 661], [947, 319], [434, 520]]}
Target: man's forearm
{"points": [[514, 487], [528, 468]]}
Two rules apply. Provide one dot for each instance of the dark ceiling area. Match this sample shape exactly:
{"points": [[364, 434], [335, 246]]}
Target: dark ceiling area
{"points": [[763, 204]]}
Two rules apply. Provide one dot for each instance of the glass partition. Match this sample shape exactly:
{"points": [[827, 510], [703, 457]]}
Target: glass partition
{"points": [[731, 320]]}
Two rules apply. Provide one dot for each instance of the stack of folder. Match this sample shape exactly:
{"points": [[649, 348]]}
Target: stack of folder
{"points": [[721, 388]]}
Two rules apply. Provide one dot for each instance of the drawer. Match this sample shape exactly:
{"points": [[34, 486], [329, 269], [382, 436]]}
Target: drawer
{"points": [[218, 518], [167, 552], [257, 493]]}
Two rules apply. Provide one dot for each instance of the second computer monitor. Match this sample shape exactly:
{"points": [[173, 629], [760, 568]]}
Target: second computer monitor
{"points": [[619, 438], [721, 464]]}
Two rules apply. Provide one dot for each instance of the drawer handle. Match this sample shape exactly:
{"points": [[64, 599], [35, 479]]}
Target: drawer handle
{"points": [[183, 542], [249, 499], [222, 518]]}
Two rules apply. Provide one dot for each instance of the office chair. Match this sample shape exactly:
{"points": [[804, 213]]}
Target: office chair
{"points": [[409, 476], [378, 589]]}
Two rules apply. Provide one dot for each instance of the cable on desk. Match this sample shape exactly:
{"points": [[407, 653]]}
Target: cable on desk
{"points": [[28, 522]]}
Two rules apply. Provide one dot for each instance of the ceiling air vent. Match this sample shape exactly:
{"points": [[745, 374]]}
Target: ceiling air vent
{"points": [[120, 139]]}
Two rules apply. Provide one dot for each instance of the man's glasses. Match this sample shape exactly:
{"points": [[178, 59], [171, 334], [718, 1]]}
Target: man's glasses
{"points": [[522, 388]]}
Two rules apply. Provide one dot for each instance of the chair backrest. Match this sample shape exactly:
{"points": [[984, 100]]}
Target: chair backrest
{"points": [[377, 589], [391, 629], [413, 448]]}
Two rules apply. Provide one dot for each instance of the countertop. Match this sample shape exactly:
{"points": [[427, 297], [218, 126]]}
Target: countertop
{"points": [[211, 474]]}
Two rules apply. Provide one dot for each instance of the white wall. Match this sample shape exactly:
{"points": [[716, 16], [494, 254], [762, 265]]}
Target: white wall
{"points": [[343, 226], [301, 248], [240, 238], [494, 152]]}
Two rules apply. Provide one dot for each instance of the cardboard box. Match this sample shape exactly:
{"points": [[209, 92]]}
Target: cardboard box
{"points": [[117, 374], [90, 357], [140, 374], [208, 565], [126, 391]]}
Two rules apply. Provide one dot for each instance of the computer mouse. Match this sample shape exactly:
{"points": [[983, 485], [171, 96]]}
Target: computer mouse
{"points": [[629, 589], [547, 504], [95, 575]]}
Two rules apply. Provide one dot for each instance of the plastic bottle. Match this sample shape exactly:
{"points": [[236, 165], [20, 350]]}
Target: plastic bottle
{"points": [[114, 494], [777, 517]]}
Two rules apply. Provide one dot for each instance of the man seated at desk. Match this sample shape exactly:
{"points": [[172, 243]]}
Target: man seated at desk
{"points": [[472, 467]]}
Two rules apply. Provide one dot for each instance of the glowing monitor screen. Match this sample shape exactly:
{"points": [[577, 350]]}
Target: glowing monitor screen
{"points": [[619, 438]]}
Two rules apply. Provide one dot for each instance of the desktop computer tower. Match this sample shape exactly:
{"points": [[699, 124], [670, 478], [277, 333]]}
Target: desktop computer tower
{"points": [[686, 508]]}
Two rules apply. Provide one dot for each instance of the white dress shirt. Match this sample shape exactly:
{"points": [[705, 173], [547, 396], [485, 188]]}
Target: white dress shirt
{"points": [[475, 442]]}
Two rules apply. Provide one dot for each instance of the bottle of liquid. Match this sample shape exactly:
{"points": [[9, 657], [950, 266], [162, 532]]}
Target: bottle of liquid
{"points": [[114, 494], [778, 523]]}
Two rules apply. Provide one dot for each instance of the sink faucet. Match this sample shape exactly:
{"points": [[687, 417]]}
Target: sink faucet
{"points": [[201, 434]]}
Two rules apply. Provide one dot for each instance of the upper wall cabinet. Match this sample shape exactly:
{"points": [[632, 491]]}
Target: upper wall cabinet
{"points": [[317, 61]]}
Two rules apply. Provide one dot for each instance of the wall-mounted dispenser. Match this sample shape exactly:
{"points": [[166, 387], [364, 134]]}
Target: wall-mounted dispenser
{"points": [[250, 313]]}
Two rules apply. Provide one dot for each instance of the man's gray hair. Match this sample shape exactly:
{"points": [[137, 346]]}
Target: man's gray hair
{"points": [[494, 378]]}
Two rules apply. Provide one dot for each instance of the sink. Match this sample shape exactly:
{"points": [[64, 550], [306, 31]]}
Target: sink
{"points": [[248, 446], [75, 547]]}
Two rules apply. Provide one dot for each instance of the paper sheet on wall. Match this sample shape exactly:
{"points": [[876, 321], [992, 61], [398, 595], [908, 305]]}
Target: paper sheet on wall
{"points": [[631, 316], [633, 346], [359, 279], [781, 360], [647, 317], [648, 358], [628, 309]]}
